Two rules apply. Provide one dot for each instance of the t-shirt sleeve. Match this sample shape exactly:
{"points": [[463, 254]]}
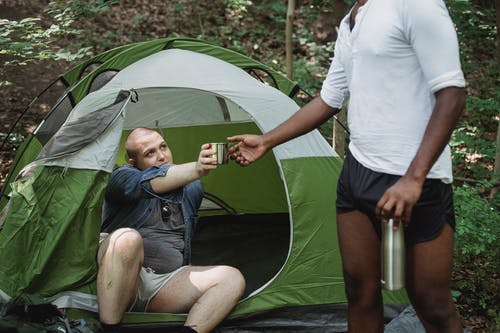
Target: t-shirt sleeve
{"points": [[153, 172], [334, 87], [431, 33], [129, 184]]}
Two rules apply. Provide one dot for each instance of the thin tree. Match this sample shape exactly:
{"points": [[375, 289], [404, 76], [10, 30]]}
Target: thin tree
{"points": [[288, 38], [496, 170]]}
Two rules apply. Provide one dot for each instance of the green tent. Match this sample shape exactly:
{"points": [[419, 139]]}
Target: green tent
{"points": [[274, 220]]}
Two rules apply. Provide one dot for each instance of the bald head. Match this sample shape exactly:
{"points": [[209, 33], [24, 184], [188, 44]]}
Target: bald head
{"points": [[131, 143], [145, 147]]}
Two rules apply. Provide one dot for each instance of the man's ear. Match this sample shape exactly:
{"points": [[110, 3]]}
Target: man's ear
{"points": [[131, 161]]}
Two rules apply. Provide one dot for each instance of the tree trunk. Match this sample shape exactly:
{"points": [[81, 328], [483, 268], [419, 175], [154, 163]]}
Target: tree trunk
{"points": [[497, 7], [496, 170], [288, 38]]}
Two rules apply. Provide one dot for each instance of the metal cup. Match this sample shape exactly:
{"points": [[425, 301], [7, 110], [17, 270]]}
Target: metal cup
{"points": [[221, 152]]}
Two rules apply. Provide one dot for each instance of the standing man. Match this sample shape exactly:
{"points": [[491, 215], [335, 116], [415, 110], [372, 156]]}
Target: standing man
{"points": [[150, 209], [399, 62]]}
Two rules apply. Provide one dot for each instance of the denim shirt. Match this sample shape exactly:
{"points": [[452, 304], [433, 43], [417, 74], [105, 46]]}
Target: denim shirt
{"points": [[129, 200]]}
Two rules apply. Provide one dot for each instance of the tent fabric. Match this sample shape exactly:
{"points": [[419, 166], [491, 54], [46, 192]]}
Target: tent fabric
{"points": [[266, 105], [44, 217], [193, 93]]}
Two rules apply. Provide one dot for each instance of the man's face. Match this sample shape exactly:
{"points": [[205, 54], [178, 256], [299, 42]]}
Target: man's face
{"points": [[152, 150]]}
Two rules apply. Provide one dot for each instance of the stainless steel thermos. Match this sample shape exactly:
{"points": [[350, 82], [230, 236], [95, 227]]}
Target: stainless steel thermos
{"points": [[392, 256]]}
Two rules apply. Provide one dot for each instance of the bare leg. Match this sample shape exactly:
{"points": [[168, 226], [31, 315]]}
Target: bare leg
{"points": [[428, 274], [119, 258], [360, 250], [208, 293]]}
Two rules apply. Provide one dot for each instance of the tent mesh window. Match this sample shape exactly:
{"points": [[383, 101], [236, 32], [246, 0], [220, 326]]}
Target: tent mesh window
{"points": [[54, 120], [263, 76], [89, 69], [101, 79]]}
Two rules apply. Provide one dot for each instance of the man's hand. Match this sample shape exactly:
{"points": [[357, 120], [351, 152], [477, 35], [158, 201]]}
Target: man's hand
{"points": [[248, 150], [398, 201], [206, 160]]}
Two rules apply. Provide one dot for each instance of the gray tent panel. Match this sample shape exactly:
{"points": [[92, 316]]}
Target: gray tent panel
{"points": [[76, 134]]}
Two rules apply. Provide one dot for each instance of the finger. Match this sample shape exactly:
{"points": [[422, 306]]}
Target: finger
{"points": [[388, 210], [407, 215], [381, 209], [234, 148], [380, 205], [208, 153], [398, 214], [235, 138], [242, 161], [208, 160]]}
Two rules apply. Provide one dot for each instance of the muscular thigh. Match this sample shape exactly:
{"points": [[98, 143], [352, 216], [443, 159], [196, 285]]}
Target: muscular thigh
{"points": [[429, 263], [183, 289], [359, 246]]}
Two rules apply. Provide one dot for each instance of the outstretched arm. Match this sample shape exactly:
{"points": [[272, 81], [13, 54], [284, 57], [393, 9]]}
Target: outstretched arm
{"points": [[252, 147], [399, 199], [182, 174]]}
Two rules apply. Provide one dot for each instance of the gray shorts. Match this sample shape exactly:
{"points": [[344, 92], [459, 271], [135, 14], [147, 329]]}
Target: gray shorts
{"points": [[150, 284]]}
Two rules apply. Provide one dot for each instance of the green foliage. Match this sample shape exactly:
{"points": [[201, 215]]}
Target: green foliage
{"points": [[26, 40], [474, 139], [33, 39], [12, 138], [326, 5], [307, 71], [277, 12], [477, 223], [476, 26], [239, 6], [472, 153], [477, 236], [30, 39]]}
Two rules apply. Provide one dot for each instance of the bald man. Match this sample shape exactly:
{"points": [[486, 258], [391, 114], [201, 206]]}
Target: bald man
{"points": [[149, 212]]}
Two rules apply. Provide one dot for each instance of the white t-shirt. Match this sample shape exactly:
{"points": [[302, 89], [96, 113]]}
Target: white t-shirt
{"points": [[398, 55]]}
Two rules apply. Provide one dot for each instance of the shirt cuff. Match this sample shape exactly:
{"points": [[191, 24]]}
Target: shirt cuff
{"points": [[450, 79], [334, 100], [153, 172]]}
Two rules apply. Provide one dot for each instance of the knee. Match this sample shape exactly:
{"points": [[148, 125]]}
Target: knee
{"points": [[433, 306], [362, 290], [125, 245], [232, 278]]}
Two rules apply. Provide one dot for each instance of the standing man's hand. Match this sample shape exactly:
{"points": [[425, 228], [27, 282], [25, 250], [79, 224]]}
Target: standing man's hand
{"points": [[252, 147], [248, 149], [398, 201]]}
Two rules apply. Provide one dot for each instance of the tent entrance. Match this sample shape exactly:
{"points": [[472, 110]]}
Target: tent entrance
{"points": [[244, 218], [256, 244]]}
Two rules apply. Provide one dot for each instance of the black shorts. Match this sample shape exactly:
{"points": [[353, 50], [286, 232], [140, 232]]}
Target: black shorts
{"points": [[360, 188]]}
